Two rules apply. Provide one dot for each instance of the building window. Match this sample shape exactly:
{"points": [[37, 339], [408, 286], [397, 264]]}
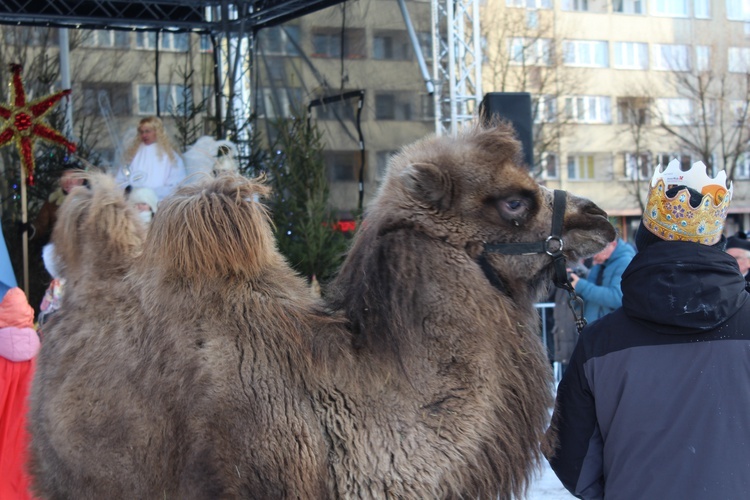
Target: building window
{"points": [[278, 102], [394, 46], [675, 111], [425, 43], [385, 107], [669, 8], [205, 44], [630, 55], [337, 110], [627, 6], [178, 42], [145, 39], [327, 43], [585, 53], [530, 51], [172, 99], [35, 36], [549, 166], [530, 4], [638, 165], [663, 159], [588, 109], [343, 166], [739, 60], [208, 100], [580, 5], [702, 9], [702, 57], [96, 94], [546, 109], [670, 57], [633, 110], [738, 10], [279, 41], [105, 39], [382, 158], [146, 99], [596, 6], [739, 110], [427, 107], [581, 167], [742, 170], [532, 19], [275, 68], [393, 107]]}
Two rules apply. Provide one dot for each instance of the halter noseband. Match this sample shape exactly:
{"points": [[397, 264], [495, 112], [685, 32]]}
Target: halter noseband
{"points": [[552, 246]]}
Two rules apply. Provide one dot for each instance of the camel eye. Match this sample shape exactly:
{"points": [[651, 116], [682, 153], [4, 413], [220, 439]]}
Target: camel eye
{"points": [[513, 208], [514, 204]]}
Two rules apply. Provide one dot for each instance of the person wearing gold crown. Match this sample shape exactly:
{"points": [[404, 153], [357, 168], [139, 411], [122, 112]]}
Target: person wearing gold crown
{"points": [[655, 400]]}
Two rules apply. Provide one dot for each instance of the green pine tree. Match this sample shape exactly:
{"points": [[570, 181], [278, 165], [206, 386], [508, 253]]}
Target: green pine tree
{"points": [[299, 202]]}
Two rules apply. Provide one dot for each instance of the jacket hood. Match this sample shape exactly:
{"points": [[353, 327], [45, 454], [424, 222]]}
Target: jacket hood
{"points": [[623, 250], [681, 287]]}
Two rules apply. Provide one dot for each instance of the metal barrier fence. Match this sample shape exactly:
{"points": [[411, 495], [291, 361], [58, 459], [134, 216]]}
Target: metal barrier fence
{"points": [[543, 308]]}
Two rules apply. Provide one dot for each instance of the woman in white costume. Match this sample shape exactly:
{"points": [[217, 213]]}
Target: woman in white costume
{"points": [[152, 162]]}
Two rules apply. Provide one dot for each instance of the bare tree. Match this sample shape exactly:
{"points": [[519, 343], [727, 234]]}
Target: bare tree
{"points": [[524, 54], [635, 113], [713, 122]]}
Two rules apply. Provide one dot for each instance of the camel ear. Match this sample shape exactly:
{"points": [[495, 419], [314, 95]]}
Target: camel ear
{"points": [[428, 183]]}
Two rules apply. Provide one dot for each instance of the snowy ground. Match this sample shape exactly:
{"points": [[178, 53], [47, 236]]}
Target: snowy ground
{"points": [[546, 486]]}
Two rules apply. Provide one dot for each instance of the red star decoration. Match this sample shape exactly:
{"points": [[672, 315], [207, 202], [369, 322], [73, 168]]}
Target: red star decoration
{"points": [[24, 122]]}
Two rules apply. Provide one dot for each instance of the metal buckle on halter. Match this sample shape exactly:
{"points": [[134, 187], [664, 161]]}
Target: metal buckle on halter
{"points": [[548, 248]]}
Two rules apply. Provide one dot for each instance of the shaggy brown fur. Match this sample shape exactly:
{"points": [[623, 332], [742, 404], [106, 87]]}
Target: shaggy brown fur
{"points": [[209, 371]]}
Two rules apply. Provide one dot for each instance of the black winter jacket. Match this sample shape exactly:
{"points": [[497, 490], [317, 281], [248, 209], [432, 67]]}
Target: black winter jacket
{"points": [[656, 401]]}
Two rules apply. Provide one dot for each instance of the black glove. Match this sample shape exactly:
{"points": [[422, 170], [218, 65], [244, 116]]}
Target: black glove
{"points": [[24, 227]]}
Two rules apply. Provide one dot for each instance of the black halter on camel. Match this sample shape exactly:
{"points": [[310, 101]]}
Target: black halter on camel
{"points": [[552, 246]]}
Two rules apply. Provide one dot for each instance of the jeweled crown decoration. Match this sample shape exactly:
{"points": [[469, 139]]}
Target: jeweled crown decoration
{"points": [[675, 219]]}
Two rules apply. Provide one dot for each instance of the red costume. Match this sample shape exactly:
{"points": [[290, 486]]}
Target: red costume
{"points": [[19, 345]]}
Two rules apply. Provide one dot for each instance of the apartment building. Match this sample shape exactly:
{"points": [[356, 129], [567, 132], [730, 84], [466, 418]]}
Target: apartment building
{"points": [[620, 86], [356, 48], [116, 77], [360, 49]]}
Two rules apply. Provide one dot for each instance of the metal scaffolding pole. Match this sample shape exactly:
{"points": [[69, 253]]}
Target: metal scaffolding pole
{"points": [[457, 63]]}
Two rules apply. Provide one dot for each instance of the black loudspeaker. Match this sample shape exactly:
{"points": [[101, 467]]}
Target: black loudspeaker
{"points": [[516, 108]]}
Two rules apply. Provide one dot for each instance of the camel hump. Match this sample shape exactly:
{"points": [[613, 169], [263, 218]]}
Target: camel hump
{"points": [[215, 228], [97, 235]]}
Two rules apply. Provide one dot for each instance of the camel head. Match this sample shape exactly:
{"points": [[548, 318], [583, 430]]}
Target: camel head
{"points": [[473, 192], [96, 234]]}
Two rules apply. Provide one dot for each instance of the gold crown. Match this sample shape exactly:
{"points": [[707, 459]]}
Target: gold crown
{"points": [[674, 219]]}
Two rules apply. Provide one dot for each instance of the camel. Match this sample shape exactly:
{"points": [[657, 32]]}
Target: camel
{"points": [[192, 362]]}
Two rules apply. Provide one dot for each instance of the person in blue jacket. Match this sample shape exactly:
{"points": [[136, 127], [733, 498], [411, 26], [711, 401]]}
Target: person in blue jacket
{"points": [[654, 403], [600, 290]]}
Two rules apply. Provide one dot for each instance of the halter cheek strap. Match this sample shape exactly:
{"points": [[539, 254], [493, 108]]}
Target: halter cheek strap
{"points": [[552, 246]]}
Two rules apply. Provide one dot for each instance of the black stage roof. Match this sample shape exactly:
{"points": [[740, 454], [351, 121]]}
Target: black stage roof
{"points": [[203, 16]]}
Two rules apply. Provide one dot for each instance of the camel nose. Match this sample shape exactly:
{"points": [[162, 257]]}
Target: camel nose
{"points": [[592, 209]]}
